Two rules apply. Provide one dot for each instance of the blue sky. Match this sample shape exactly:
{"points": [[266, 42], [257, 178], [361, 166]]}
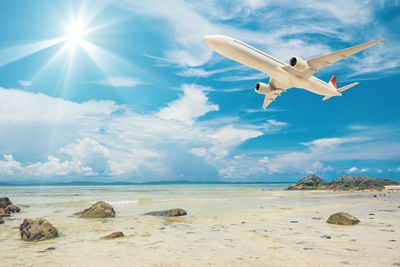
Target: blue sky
{"points": [[141, 97]]}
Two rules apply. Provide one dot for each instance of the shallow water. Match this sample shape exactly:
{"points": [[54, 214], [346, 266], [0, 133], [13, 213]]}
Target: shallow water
{"points": [[226, 225]]}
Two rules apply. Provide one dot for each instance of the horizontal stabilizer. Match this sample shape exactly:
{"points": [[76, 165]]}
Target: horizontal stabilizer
{"points": [[326, 97], [344, 88]]}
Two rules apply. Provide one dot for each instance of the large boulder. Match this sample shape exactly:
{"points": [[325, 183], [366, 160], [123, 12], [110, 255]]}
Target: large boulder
{"points": [[37, 230], [4, 202], [100, 209], [311, 182], [342, 218], [113, 236], [168, 213]]}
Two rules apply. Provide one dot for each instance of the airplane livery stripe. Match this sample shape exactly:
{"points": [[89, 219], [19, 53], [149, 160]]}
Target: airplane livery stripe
{"points": [[258, 51]]}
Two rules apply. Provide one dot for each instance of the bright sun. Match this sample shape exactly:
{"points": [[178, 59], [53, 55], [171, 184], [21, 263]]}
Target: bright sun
{"points": [[76, 33]]}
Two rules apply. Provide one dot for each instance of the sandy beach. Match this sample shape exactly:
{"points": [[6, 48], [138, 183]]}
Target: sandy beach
{"points": [[226, 225]]}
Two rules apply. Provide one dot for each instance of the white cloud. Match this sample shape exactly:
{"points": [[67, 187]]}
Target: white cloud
{"points": [[9, 166], [192, 105], [322, 150], [24, 83], [353, 169], [101, 138], [199, 72], [333, 142], [119, 82]]}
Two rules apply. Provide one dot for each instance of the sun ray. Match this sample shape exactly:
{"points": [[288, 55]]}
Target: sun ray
{"points": [[12, 54]]}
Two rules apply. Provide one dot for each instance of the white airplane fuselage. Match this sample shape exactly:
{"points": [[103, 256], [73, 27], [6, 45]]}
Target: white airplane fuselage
{"points": [[250, 56]]}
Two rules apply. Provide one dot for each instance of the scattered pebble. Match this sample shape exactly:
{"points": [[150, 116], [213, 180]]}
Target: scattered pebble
{"points": [[326, 236], [308, 248], [50, 248], [293, 221], [393, 240]]}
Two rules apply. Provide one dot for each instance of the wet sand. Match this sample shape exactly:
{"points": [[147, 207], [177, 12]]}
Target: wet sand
{"points": [[225, 226]]}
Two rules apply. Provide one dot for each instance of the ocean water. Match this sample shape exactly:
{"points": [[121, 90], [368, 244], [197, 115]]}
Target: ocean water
{"points": [[226, 225]]}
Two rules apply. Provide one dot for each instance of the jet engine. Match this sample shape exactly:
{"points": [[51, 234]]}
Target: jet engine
{"points": [[298, 64], [262, 88]]}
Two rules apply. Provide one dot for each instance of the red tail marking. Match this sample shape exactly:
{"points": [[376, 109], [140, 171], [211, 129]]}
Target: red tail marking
{"points": [[333, 81]]}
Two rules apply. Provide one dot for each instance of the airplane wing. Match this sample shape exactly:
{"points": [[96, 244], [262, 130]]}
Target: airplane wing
{"points": [[318, 63], [276, 89]]}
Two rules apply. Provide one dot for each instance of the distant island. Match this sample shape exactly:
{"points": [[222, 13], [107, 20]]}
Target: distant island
{"points": [[345, 182]]}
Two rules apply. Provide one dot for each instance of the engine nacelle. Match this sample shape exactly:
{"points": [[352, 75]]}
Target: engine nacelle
{"points": [[262, 88], [298, 64]]}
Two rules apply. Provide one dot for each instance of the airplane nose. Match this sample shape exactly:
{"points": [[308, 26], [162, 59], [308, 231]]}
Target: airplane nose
{"points": [[210, 39], [215, 40]]}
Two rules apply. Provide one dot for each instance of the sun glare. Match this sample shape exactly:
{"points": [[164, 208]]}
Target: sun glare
{"points": [[76, 33]]}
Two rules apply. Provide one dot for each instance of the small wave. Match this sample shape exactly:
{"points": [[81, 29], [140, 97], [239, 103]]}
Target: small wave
{"points": [[121, 202]]}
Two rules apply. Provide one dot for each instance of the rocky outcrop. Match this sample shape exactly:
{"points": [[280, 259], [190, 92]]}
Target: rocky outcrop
{"points": [[3, 213], [342, 218], [112, 236], [346, 182], [37, 230], [99, 210], [311, 182], [4, 202], [168, 213], [7, 206], [12, 209]]}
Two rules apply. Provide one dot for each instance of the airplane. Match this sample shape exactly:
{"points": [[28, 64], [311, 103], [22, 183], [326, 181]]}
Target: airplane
{"points": [[299, 72]]}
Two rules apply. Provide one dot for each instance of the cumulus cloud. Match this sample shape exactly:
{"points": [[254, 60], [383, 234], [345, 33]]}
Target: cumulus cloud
{"points": [[101, 138], [119, 82], [192, 105]]}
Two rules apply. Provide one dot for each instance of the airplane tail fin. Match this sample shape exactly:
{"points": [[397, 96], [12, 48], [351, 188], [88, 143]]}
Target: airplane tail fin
{"points": [[341, 89], [333, 81]]}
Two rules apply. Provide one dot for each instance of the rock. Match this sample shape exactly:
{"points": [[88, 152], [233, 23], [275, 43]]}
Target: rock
{"points": [[311, 182], [37, 230], [1, 220], [168, 213], [3, 213], [4, 202], [346, 182], [11, 209], [99, 210], [113, 236], [342, 218]]}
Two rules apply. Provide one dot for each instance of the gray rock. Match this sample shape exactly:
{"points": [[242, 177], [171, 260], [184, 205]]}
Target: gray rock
{"points": [[99, 210], [3, 213], [4, 202], [342, 218], [37, 230], [113, 236], [311, 182], [168, 213], [11, 209]]}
